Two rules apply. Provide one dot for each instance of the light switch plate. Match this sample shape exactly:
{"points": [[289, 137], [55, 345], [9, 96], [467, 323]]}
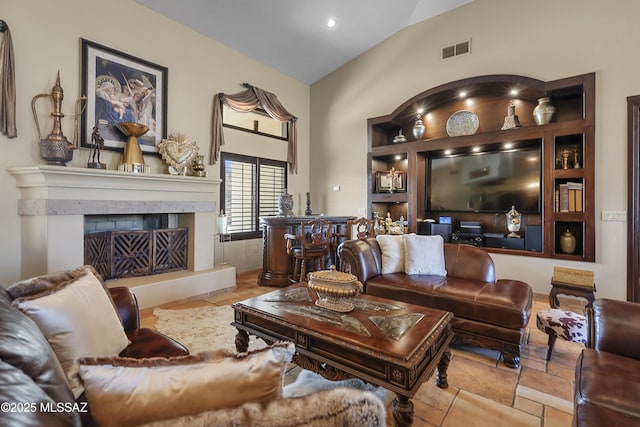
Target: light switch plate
{"points": [[613, 215]]}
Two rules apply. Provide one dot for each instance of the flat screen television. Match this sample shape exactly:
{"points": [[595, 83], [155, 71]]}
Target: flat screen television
{"points": [[486, 182]]}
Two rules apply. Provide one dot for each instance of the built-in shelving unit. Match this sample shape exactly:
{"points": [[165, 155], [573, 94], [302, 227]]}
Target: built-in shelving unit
{"points": [[566, 146]]}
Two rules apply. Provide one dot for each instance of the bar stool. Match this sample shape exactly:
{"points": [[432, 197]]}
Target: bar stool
{"points": [[311, 246]]}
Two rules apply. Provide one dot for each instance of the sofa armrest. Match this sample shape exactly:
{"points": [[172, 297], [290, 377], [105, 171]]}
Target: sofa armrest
{"points": [[127, 306], [613, 325], [361, 257], [146, 342], [469, 263]]}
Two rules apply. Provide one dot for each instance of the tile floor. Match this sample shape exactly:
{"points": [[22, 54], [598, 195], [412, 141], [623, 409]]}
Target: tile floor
{"points": [[482, 390]]}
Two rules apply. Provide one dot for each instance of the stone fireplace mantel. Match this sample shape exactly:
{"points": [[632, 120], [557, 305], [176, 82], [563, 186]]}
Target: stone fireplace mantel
{"points": [[54, 200]]}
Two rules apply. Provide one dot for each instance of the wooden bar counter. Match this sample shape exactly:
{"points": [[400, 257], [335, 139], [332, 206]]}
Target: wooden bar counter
{"points": [[277, 266]]}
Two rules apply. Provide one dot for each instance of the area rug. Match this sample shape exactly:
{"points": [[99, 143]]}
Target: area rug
{"points": [[202, 328]]}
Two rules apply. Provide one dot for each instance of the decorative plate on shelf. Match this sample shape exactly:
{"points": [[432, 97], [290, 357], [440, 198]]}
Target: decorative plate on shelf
{"points": [[462, 122]]}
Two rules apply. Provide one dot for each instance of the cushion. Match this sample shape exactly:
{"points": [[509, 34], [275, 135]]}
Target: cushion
{"points": [[327, 408], [157, 389], [76, 316], [392, 250], [565, 324], [424, 255]]}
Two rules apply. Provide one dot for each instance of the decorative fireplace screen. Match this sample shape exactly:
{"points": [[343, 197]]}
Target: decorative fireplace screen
{"points": [[133, 253]]}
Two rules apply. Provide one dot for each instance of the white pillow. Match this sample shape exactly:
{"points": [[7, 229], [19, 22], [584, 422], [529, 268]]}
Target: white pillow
{"points": [[392, 250], [424, 255], [79, 320]]}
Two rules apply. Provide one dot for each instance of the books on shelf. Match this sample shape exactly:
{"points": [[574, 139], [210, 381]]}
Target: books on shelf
{"points": [[568, 197]]}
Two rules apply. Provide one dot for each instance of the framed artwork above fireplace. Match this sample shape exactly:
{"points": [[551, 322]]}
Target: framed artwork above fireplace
{"points": [[122, 88]]}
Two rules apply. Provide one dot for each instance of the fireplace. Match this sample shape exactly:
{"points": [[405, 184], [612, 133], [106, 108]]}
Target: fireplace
{"points": [[55, 202]]}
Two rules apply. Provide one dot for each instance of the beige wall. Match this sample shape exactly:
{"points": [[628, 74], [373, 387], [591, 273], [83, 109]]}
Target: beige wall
{"points": [[544, 39], [46, 38]]}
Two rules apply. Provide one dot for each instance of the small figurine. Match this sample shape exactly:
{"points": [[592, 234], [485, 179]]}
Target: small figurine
{"points": [[565, 158], [576, 160], [97, 143], [511, 120]]}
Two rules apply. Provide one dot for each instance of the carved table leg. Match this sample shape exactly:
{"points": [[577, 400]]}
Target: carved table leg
{"points": [[443, 365], [402, 408], [242, 341]]}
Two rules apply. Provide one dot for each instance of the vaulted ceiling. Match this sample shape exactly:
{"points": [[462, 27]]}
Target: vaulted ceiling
{"points": [[292, 36]]}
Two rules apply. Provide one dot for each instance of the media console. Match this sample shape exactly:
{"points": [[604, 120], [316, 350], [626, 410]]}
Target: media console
{"points": [[565, 148]]}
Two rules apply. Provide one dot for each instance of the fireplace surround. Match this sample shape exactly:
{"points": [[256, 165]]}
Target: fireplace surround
{"points": [[54, 201]]}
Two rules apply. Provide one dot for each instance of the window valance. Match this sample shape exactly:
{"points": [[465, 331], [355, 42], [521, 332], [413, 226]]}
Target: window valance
{"points": [[245, 102]]}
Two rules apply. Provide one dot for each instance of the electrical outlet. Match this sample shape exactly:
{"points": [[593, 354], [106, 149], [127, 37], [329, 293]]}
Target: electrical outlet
{"points": [[362, 212], [613, 215], [336, 188]]}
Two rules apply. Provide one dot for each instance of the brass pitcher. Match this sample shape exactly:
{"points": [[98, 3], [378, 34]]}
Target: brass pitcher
{"points": [[56, 149]]}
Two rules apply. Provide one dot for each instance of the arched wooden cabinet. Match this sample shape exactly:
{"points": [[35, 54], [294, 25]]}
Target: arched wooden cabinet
{"points": [[487, 98]]}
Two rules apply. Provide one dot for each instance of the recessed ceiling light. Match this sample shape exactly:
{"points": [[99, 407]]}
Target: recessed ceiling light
{"points": [[514, 92], [331, 23], [462, 94]]}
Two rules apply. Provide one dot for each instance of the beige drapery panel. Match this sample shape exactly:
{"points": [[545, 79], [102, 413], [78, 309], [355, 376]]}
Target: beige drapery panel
{"points": [[245, 102], [7, 84]]}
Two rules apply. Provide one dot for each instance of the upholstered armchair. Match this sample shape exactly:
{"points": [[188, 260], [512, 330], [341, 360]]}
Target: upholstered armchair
{"points": [[607, 383]]}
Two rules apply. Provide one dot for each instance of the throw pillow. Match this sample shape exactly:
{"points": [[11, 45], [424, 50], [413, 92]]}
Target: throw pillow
{"points": [[424, 255], [123, 391], [76, 315], [327, 408], [392, 250]]}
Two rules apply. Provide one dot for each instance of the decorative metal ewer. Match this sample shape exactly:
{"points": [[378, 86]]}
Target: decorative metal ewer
{"points": [[56, 148]]}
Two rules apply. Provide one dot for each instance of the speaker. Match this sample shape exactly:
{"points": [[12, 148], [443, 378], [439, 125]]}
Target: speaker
{"points": [[533, 238], [430, 228]]}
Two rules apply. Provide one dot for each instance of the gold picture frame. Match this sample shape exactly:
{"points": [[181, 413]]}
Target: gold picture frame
{"points": [[391, 181]]}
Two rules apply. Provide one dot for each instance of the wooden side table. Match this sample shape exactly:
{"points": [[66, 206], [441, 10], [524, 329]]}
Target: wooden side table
{"points": [[557, 288]]}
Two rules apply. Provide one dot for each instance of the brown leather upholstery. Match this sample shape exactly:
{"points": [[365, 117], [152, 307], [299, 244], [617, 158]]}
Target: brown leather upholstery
{"points": [[488, 312], [144, 342], [127, 306], [30, 372], [607, 375]]}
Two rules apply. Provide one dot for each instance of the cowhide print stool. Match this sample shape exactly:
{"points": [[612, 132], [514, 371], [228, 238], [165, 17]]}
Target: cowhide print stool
{"points": [[565, 324]]}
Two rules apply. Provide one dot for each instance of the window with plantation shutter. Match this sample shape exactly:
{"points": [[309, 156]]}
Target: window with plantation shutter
{"points": [[251, 187]]}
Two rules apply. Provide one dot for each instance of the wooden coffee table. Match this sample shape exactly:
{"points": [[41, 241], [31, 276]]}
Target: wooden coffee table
{"points": [[386, 343]]}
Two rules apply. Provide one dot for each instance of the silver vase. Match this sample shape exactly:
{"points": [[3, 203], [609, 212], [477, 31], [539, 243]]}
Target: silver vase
{"points": [[543, 112], [418, 128]]}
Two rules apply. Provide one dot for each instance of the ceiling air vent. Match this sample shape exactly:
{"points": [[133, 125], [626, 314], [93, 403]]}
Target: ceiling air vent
{"points": [[457, 49]]}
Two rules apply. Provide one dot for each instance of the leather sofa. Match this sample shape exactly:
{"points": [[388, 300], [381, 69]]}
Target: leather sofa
{"points": [[607, 374], [487, 312], [29, 372], [34, 391]]}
